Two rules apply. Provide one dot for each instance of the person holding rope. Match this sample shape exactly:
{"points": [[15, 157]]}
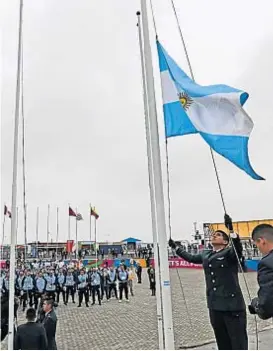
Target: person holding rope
{"points": [[262, 305], [227, 310]]}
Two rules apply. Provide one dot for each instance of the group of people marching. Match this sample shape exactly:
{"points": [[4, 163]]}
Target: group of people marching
{"points": [[32, 285]]}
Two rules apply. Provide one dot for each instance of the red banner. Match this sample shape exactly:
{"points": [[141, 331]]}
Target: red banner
{"points": [[181, 263], [69, 245]]}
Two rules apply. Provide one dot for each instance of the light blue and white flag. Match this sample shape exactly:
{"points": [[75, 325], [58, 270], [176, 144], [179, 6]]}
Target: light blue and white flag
{"points": [[214, 111]]}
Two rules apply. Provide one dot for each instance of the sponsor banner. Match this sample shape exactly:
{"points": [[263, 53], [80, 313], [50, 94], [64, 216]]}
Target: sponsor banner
{"points": [[181, 263]]}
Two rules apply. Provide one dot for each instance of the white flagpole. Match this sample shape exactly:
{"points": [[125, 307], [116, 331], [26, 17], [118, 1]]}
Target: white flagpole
{"points": [[47, 230], [90, 227], [57, 225], [37, 232], [158, 187], [76, 255], [152, 194], [14, 187], [17, 225], [96, 250], [3, 234]]}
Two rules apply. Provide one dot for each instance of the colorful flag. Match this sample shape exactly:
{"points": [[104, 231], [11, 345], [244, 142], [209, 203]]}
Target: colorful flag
{"points": [[71, 213], [79, 217], [214, 112], [94, 213]]}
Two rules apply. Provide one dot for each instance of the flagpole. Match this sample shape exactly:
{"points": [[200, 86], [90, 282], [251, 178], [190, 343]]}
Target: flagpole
{"points": [[37, 232], [47, 234], [3, 234], [68, 222], [57, 232], [76, 255], [90, 227], [152, 194], [25, 229], [96, 250], [158, 187], [14, 187], [17, 224]]}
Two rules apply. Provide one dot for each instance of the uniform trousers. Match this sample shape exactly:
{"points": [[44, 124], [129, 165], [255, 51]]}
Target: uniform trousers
{"points": [[60, 290], [83, 292], [37, 296], [69, 290], [123, 287], [112, 286], [229, 329], [96, 290], [27, 295]]}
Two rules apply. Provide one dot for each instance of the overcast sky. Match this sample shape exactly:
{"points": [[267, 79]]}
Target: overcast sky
{"points": [[85, 133]]}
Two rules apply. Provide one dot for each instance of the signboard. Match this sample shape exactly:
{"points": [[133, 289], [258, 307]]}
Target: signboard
{"points": [[181, 263]]}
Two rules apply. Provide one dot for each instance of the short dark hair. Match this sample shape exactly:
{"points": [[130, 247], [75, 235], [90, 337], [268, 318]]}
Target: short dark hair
{"points": [[31, 314], [49, 302], [225, 236], [263, 231]]}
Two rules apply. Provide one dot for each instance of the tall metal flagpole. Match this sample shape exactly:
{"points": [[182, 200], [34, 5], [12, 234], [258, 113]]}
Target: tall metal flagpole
{"points": [[152, 194], [68, 222], [158, 187], [3, 234], [96, 249], [25, 229], [57, 231], [17, 225], [76, 253], [37, 232], [90, 227], [47, 230], [14, 187]]}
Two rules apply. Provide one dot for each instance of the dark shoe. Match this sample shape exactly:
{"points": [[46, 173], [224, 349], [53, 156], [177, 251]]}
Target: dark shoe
{"points": [[73, 301], [87, 305], [79, 305], [65, 303], [93, 303], [100, 303]]}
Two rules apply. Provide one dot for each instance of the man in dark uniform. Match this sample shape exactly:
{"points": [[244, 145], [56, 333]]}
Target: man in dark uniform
{"points": [[262, 305], [50, 324], [225, 300], [30, 336]]}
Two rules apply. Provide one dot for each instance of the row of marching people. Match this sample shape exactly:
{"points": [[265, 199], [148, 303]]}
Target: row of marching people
{"points": [[31, 286]]}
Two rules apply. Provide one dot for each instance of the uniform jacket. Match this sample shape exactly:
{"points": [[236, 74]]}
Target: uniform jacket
{"points": [[50, 324], [265, 281], [30, 336], [221, 273]]}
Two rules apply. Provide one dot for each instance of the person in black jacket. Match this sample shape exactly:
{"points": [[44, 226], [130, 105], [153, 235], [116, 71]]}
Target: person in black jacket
{"points": [[50, 323], [225, 300], [262, 305], [30, 336]]}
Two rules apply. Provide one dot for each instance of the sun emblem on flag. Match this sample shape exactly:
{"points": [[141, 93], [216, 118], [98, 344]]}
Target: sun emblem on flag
{"points": [[185, 100]]}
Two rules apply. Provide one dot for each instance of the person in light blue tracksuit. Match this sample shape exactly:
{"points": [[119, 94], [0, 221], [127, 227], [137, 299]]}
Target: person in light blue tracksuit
{"points": [[60, 285], [69, 286], [83, 288], [95, 285], [40, 284], [28, 290], [51, 282]]}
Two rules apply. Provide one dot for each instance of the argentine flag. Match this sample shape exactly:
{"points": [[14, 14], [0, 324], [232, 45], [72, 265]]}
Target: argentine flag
{"points": [[214, 111]]}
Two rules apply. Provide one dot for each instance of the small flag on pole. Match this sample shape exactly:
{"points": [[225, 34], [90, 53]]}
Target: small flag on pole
{"points": [[79, 217], [7, 212], [94, 213], [71, 213]]}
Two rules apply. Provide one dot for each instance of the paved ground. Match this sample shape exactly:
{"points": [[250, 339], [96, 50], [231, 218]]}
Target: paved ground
{"points": [[133, 325]]}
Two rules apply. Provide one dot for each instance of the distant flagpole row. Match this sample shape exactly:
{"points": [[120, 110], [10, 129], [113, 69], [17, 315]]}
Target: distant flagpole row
{"points": [[71, 213]]}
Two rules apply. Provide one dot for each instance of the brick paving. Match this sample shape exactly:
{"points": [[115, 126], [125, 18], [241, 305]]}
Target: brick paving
{"points": [[133, 325]]}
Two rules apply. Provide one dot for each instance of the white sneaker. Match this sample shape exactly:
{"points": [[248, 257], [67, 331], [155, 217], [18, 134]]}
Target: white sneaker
{"points": [[119, 301], [127, 300]]}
